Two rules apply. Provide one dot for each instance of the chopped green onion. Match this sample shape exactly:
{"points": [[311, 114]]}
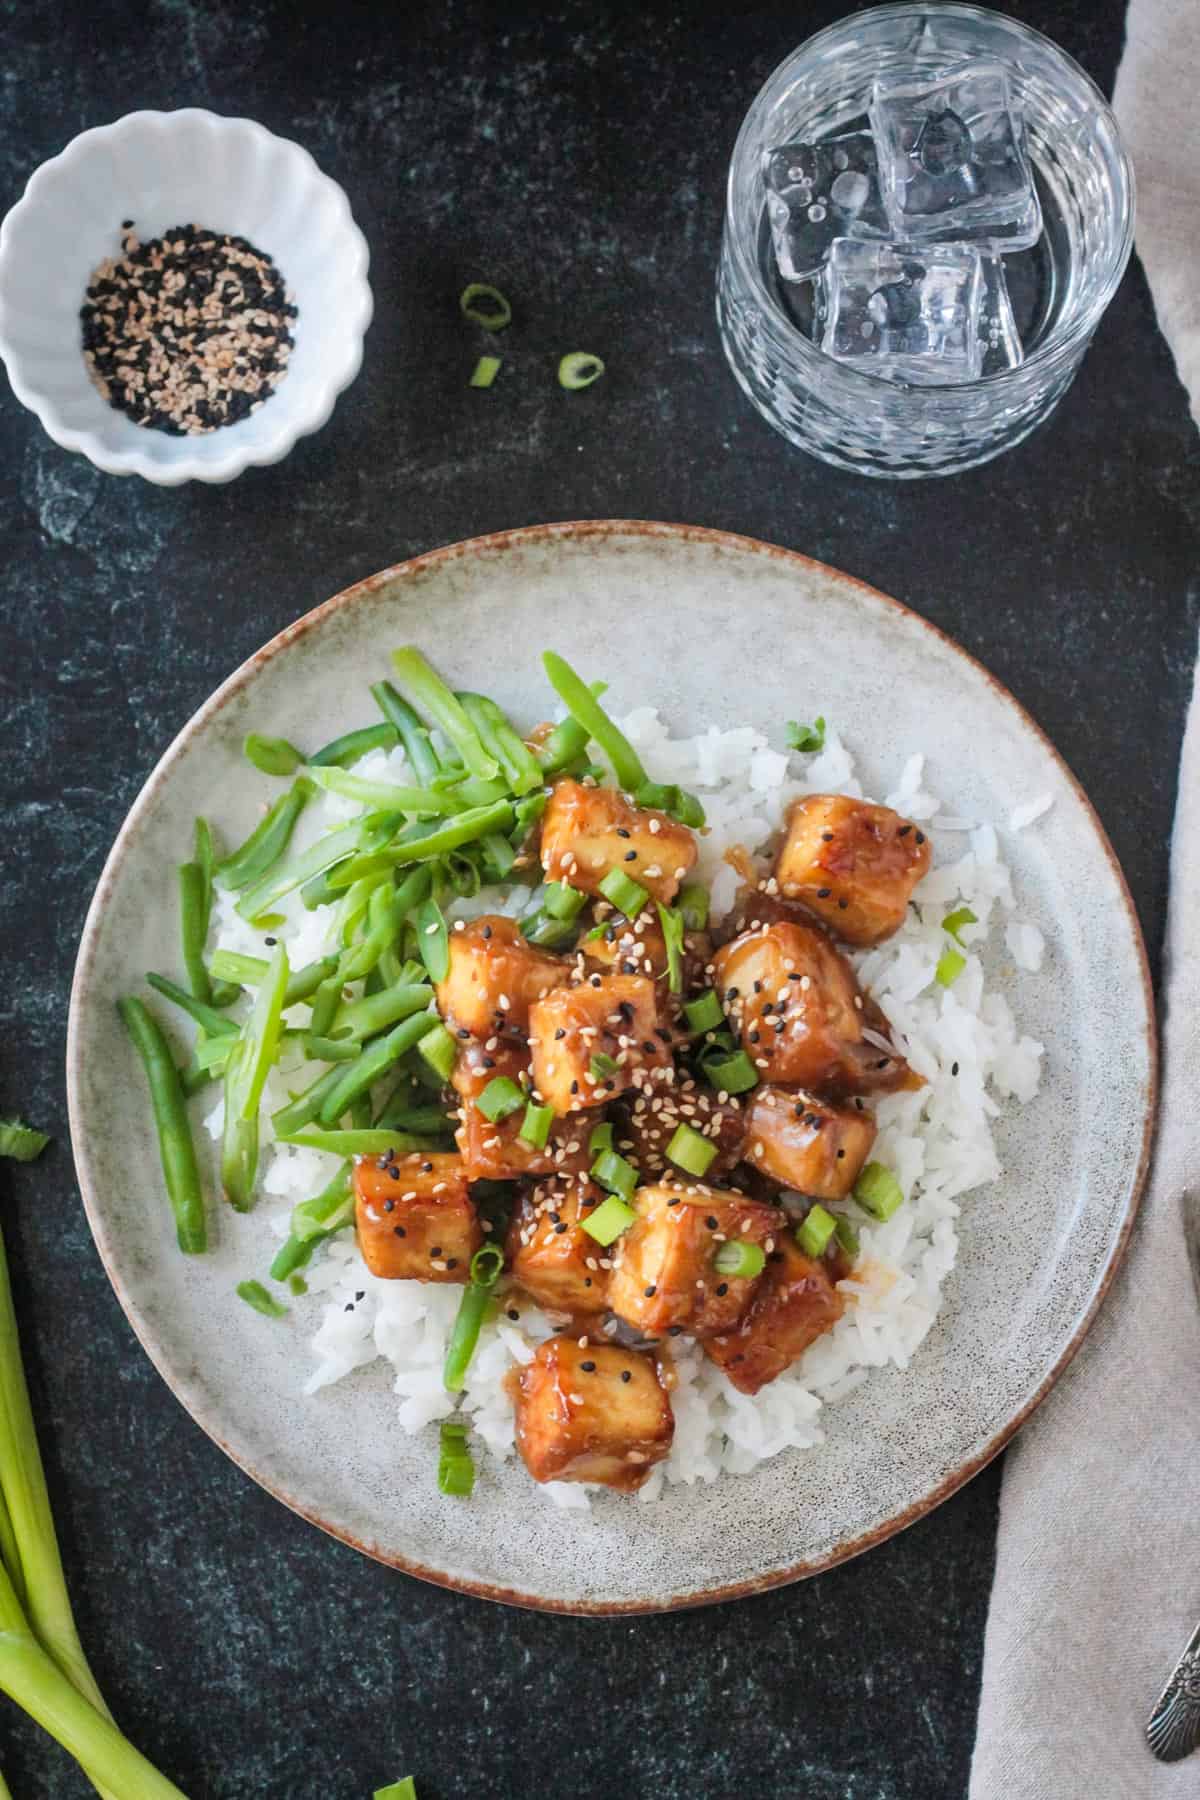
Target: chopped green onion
{"points": [[353, 745], [425, 687], [951, 964], [704, 1014], [954, 921], [734, 1074], [256, 1295], [252, 860], [385, 796], [602, 1066], [494, 315], [692, 902], [535, 1127], [215, 1023], [626, 895], [499, 1098], [613, 1172], [814, 1234], [273, 756], [297, 1285], [439, 1050], [878, 1192], [578, 369], [691, 1151], [405, 1789], [537, 927], [562, 901], [456, 1470], [487, 1265], [847, 1237], [591, 716], [464, 1335], [485, 371], [609, 1220], [673, 800], [672, 930], [737, 1257], [601, 1138], [806, 737], [433, 939], [21, 1142], [360, 1140], [268, 921]]}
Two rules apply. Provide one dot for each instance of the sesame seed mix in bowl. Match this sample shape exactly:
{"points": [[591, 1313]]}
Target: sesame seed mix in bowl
{"points": [[627, 1116], [187, 332]]}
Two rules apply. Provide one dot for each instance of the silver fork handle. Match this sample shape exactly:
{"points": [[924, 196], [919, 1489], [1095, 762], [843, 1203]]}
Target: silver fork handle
{"points": [[1173, 1730]]}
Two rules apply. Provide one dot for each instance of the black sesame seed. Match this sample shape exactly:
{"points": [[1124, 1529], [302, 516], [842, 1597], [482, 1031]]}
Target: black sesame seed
{"points": [[487, 931], [674, 1330], [824, 893], [843, 904], [560, 1033], [513, 1313], [399, 1231], [390, 1205], [954, 1068], [711, 1222], [626, 1375], [827, 837], [452, 1262], [631, 856], [463, 1033], [559, 1229], [621, 832], [589, 1368], [650, 1291], [270, 942], [904, 831], [722, 1288], [840, 1155], [920, 837], [436, 1251]]}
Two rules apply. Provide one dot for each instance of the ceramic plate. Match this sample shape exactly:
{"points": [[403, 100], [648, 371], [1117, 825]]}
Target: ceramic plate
{"points": [[709, 628]]}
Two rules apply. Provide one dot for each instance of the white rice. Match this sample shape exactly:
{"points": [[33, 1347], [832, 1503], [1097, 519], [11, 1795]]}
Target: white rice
{"points": [[938, 1141]]}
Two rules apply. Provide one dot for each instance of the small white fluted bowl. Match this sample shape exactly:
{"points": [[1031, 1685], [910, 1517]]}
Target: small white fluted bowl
{"points": [[176, 168]]}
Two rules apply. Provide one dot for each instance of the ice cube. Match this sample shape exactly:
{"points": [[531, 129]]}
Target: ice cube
{"points": [[902, 313], [820, 191], [952, 158]]}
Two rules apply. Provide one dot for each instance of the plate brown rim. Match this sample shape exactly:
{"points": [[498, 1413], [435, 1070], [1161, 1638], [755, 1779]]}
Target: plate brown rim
{"points": [[410, 568]]}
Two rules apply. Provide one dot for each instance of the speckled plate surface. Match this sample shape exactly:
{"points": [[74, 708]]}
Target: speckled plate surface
{"points": [[715, 628]]}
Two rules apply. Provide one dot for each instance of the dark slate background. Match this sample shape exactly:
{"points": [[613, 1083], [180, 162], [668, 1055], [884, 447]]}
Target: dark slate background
{"points": [[575, 154]]}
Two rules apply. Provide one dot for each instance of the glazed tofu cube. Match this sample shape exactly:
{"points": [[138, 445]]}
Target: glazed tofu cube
{"points": [[591, 1412], [550, 1254], [853, 864], [415, 1218], [800, 1012], [588, 831], [493, 978], [648, 1123], [613, 1017], [796, 1302], [493, 1149], [665, 1277], [806, 1143]]}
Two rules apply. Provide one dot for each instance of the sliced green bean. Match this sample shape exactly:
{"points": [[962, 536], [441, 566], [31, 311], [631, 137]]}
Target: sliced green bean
{"points": [[260, 1036], [315, 1218], [249, 971], [577, 697], [500, 741], [215, 1023], [567, 741], [329, 1050], [424, 687], [352, 745], [418, 746], [371, 1141], [304, 1108], [386, 796], [334, 847], [359, 1076], [271, 755], [359, 1019], [467, 828], [176, 1150], [239, 1137], [250, 862]]}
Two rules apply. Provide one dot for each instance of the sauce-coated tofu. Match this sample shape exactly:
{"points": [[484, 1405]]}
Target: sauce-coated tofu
{"points": [[591, 1413], [415, 1217], [550, 1254], [493, 1149], [610, 1016], [806, 1143], [665, 1277], [587, 831], [494, 976], [853, 864], [796, 1302], [797, 1004], [648, 1123]]}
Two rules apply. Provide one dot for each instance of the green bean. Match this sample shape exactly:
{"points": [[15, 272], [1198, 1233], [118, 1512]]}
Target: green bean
{"points": [[215, 1023], [329, 1050], [582, 705], [271, 755], [371, 1141], [239, 1137], [376, 1012], [567, 741], [306, 1106], [249, 971], [265, 845], [464, 829], [500, 741], [324, 1007], [334, 847], [358, 1077], [425, 1121], [418, 747], [426, 689], [385, 796], [175, 1146], [260, 1035], [320, 891], [313, 1219], [352, 745], [221, 993]]}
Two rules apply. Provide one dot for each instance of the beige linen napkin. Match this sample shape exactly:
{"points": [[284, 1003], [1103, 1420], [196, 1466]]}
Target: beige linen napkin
{"points": [[1098, 1560]]}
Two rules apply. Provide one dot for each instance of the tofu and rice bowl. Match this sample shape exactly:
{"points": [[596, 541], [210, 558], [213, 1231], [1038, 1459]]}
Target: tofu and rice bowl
{"points": [[626, 1115]]}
